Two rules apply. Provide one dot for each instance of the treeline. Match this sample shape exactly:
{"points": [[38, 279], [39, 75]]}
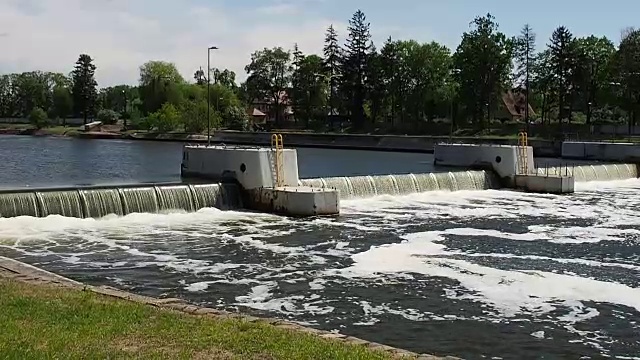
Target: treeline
{"points": [[162, 101], [403, 86], [408, 85]]}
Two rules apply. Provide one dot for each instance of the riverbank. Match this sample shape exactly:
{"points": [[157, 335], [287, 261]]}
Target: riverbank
{"points": [[50, 315], [396, 143]]}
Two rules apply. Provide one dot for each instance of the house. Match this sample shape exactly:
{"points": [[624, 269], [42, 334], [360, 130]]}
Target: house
{"points": [[267, 106], [512, 106], [257, 118]]}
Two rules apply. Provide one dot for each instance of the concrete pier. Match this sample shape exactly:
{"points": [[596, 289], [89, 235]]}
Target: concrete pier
{"points": [[550, 184], [514, 164], [268, 177], [294, 201]]}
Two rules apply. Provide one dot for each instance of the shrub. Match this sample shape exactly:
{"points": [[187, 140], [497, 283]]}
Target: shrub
{"points": [[108, 116], [38, 118]]}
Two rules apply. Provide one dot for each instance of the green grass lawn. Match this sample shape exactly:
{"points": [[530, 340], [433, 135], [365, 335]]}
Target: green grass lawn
{"points": [[43, 322]]}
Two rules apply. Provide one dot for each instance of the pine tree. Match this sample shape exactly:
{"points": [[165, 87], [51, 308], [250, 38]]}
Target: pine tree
{"points": [[354, 67], [525, 58], [85, 92], [332, 61], [562, 58]]}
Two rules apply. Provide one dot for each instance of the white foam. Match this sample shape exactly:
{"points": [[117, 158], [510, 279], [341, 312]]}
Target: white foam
{"points": [[509, 292]]}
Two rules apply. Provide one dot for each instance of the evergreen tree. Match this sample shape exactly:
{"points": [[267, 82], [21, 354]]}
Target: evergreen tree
{"points": [[84, 90], [354, 66], [525, 50], [563, 62], [332, 61]]}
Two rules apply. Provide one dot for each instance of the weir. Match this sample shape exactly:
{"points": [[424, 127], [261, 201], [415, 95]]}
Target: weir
{"points": [[405, 184], [97, 202], [267, 180]]}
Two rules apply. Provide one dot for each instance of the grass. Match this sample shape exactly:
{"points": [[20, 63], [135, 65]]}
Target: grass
{"points": [[43, 322]]}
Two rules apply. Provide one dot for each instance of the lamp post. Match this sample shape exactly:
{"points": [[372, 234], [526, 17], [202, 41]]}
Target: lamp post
{"points": [[124, 114], [209, 93]]}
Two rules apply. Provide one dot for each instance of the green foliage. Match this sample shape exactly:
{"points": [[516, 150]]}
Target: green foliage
{"points": [[310, 88], [85, 93], [405, 87], [194, 116], [354, 67], [108, 116], [38, 118], [62, 103], [166, 119], [483, 60], [236, 119], [269, 78]]}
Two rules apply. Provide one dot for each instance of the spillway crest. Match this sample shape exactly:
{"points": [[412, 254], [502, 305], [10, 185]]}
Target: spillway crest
{"points": [[99, 202]]}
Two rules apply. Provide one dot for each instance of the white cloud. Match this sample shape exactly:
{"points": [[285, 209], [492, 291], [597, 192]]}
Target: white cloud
{"points": [[122, 34]]}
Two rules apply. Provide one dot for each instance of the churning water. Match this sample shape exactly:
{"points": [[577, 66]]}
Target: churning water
{"points": [[467, 273]]}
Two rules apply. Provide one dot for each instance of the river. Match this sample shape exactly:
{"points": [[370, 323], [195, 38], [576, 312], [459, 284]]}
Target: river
{"points": [[471, 273]]}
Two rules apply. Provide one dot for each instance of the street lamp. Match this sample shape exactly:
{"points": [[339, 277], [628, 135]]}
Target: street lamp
{"points": [[124, 114], [209, 93]]}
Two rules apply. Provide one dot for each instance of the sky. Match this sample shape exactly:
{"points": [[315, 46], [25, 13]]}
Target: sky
{"points": [[121, 35]]}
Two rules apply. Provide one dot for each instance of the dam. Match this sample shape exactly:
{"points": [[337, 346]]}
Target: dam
{"points": [[417, 259]]}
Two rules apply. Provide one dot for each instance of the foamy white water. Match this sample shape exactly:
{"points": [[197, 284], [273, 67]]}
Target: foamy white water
{"points": [[558, 270]]}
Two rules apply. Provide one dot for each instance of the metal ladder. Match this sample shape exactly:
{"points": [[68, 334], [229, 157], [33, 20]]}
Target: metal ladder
{"points": [[523, 164], [278, 161]]}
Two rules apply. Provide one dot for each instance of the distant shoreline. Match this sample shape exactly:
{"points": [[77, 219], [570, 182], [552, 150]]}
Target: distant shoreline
{"points": [[365, 142]]}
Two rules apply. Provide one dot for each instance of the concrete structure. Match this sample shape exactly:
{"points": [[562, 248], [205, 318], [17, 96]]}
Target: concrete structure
{"points": [[553, 184], [294, 200], [252, 167], [604, 151], [514, 165], [503, 159], [268, 184]]}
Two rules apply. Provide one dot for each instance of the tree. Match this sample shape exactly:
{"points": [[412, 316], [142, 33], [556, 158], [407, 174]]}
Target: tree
{"points": [[308, 94], [483, 59], [200, 77], [38, 118], [62, 103], [563, 62], [332, 61], [85, 93], [224, 77], [108, 116], [525, 56], [594, 57], [627, 65], [269, 78], [354, 66], [194, 116], [166, 119], [236, 119], [160, 82]]}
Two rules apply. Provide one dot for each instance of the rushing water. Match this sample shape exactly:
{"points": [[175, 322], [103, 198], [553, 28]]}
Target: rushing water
{"points": [[469, 273]]}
